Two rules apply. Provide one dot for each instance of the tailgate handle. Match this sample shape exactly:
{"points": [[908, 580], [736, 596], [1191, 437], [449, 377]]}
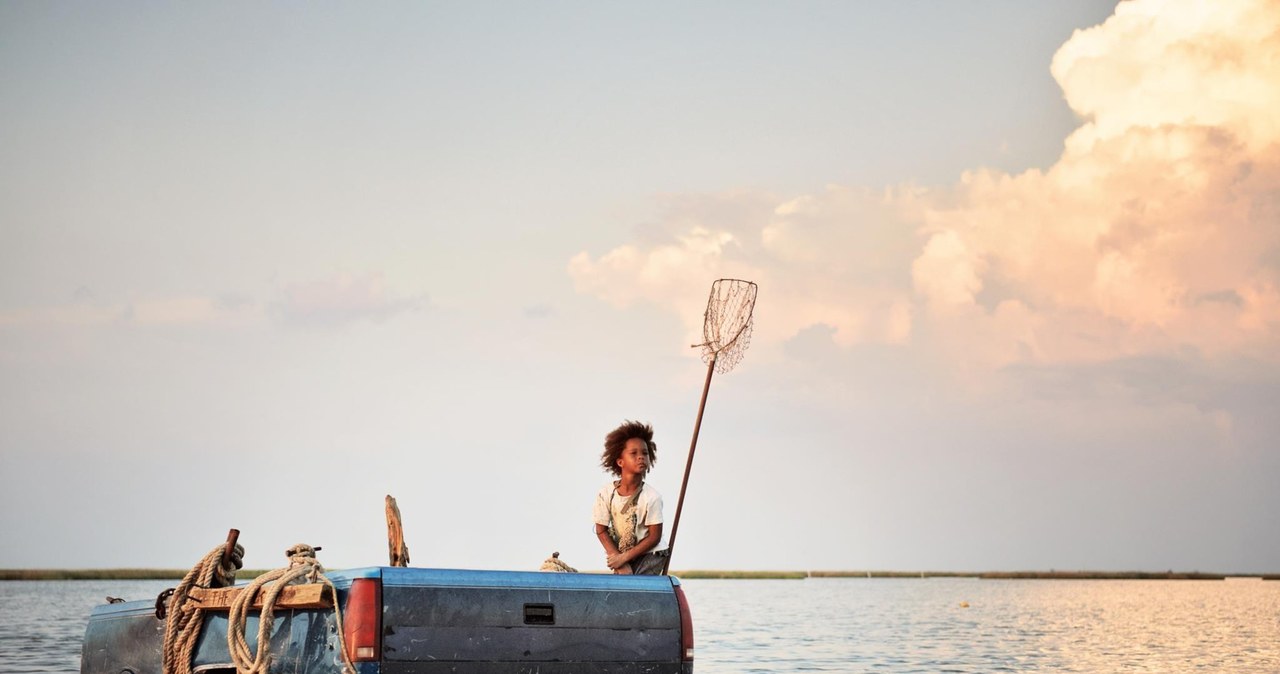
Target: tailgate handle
{"points": [[539, 614]]}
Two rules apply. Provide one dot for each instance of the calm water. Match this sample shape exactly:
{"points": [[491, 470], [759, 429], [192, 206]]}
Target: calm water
{"points": [[851, 625]]}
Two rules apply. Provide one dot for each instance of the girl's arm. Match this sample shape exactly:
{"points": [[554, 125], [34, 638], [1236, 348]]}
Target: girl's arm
{"points": [[617, 559], [602, 533]]}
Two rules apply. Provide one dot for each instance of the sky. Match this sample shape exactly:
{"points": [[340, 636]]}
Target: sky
{"points": [[262, 265]]}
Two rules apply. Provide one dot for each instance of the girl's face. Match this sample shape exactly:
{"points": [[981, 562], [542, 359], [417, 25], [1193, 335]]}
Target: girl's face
{"points": [[634, 457]]}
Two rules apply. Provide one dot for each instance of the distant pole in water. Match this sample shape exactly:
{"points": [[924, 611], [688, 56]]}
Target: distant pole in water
{"points": [[726, 331]]}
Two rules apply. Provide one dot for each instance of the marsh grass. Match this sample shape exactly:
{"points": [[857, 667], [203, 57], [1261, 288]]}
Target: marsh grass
{"points": [[766, 575], [250, 574], [1102, 575], [111, 574], [892, 574]]}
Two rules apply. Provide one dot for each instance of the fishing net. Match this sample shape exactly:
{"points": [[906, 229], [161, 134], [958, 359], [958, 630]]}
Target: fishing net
{"points": [[726, 327], [727, 323]]}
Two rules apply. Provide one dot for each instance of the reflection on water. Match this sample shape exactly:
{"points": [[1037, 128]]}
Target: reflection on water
{"points": [[923, 625], [851, 625]]}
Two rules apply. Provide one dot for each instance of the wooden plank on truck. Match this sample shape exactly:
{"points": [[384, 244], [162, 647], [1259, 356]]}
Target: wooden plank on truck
{"points": [[310, 595]]}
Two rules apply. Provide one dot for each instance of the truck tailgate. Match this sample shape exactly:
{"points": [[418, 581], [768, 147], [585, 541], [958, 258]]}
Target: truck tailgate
{"points": [[476, 621]]}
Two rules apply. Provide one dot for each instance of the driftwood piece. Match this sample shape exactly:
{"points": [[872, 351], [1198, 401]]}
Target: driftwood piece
{"points": [[398, 551], [310, 595]]}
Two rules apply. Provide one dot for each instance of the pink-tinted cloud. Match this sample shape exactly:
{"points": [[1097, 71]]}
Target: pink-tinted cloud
{"points": [[1156, 231], [176, 310], [1176, 62], [325, 302], [341, 299]]}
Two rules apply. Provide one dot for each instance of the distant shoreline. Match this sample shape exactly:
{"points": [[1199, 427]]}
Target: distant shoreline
{"points": [[247, 574], [982, 575]]}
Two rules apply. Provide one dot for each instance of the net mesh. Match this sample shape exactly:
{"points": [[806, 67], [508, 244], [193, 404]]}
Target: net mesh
{"points": [[727, 323]]}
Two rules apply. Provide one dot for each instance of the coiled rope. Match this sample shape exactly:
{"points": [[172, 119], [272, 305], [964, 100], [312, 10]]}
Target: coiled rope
{"points": [[183, 619], [303, 567], [555, 564]]}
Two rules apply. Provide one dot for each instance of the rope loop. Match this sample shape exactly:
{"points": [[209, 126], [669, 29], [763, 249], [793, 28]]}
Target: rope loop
{"points": [[303, 568], [183, 618]]}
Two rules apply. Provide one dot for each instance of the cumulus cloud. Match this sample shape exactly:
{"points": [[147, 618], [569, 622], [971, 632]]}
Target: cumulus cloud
{"points": [[666, 272], [1181, 63], [1154, 233]]}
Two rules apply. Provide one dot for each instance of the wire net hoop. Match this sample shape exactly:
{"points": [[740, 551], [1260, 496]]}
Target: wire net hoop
{"points": [[727, 323]]}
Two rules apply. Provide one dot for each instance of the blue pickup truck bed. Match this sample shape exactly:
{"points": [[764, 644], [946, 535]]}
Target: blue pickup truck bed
{"points": [[428, 621]]}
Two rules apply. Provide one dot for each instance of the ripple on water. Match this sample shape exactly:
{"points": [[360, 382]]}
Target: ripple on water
{"points": [[969, 625], [896, 626]]}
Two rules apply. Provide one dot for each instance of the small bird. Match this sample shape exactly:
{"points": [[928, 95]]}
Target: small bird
{"points": [[114, 600]]}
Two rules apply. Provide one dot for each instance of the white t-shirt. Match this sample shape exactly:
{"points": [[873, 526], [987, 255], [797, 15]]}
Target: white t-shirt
{"points": [[648, 508]]}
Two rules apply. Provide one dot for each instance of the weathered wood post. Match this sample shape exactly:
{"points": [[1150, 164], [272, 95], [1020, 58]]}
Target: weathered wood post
{"points": [[395, 535]]}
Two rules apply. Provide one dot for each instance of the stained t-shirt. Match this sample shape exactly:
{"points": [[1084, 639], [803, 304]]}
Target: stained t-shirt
{"points": [[648, 510]]}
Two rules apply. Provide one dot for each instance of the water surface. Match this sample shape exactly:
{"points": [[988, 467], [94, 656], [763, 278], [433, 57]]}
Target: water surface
{"points": [[851, 625], [971, 625]]}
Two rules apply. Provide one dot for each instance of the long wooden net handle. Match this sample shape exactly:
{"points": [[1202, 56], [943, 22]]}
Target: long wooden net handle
{"points": [[684, 482]]}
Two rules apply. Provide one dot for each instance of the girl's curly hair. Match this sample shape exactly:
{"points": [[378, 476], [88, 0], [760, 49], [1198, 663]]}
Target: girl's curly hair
{"points": [[617, 439]]}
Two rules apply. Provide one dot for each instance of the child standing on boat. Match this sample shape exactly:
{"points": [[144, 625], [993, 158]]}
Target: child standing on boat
{"points": [[628, 512]]}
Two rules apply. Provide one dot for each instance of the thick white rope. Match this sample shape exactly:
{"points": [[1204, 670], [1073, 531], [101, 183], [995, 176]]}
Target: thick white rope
{"points": [[183, 619], [554, 563], [303, 567]]}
